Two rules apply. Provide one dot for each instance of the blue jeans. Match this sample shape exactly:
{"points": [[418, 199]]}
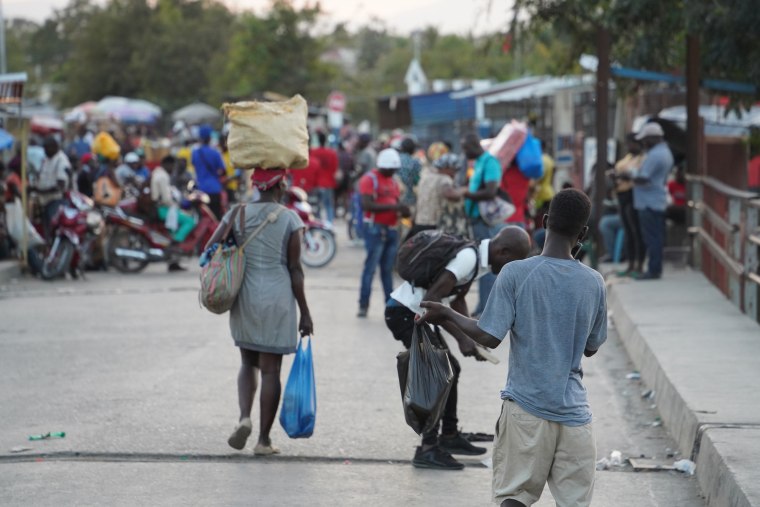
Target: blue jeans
{"points": [[609, 225], [652, 223], [327, 202], [482, 231], [381, 243]]}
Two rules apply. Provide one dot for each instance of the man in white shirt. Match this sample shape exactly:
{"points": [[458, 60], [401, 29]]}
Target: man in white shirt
{"points": [[161, 194], [450, 287], [54, 179]]}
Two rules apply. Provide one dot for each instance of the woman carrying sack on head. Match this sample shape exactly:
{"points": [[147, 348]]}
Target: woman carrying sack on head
{"points": [[263, 318]]}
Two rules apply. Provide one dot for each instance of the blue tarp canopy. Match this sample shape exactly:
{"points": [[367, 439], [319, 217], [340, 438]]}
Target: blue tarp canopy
{"points": [[439, 107], [6, 140]]}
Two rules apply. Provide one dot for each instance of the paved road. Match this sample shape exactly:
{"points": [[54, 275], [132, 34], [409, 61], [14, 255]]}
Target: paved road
{"points": [[142, 381]]}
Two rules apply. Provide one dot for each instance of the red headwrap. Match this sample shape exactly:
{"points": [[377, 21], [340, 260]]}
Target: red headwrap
{"points": [[265, 179]]}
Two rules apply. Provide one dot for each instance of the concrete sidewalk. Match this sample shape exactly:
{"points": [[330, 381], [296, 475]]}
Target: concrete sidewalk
{"points": [[701, 355], [9, 269]]}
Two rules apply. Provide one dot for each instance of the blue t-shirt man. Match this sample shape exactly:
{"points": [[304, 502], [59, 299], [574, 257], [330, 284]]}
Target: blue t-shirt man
{"points": [[487, 170], [209, 166], [655, 169], [553, 309]]}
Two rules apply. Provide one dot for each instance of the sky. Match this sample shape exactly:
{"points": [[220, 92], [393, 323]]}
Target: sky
{"points": [[402, 16]]}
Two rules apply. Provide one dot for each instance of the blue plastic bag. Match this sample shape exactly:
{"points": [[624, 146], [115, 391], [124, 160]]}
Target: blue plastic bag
{"points": [[529, 158], [299, 403]]}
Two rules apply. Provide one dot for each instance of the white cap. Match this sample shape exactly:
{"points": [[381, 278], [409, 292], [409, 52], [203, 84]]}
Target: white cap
{"points": [[650, 129], [388, 159], [131, 158]]}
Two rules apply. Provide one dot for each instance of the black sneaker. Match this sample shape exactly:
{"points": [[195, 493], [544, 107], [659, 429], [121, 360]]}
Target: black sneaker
{"points": [[362, 312], [459, 445], [435, 458]]}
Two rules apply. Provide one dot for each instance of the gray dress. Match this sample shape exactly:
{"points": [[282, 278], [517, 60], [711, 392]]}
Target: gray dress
{"points": [[264, 317]]}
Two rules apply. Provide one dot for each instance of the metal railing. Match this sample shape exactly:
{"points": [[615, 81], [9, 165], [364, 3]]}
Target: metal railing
{"points": [[725, 227]]}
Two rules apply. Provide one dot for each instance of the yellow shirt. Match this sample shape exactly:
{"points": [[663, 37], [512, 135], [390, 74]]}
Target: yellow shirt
{"points": [[232, 182], [544, 188], [186, 153]]}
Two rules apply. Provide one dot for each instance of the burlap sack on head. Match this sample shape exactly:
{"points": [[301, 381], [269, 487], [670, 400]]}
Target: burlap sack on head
{"points": [[270, 135]]}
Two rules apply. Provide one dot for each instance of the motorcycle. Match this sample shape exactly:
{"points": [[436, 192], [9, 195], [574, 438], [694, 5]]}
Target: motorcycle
{"points": [[76, 229], [136, 242], [319, 245]]}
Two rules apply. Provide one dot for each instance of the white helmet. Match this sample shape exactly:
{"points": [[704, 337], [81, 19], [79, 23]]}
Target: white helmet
{"points": [[388, 159]]}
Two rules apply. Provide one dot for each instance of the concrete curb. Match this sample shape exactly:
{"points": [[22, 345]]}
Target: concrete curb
{"points": [[702, 358], [9, 270]]}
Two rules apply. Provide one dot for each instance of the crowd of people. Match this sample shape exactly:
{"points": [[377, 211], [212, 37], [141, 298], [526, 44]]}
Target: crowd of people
{"points": [[531, 286], [112, 164]]}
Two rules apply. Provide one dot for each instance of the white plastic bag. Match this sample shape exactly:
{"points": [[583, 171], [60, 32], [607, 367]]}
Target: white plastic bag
{"points": [[172, 218], [14, 218], [268, 135]]}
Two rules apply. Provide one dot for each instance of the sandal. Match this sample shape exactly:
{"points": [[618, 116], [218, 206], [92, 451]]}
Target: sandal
{"points": [[265, 450], [240, 434]]}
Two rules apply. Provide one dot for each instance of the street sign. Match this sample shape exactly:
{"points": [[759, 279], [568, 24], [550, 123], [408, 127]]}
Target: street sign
{"points": [[336, 102]]}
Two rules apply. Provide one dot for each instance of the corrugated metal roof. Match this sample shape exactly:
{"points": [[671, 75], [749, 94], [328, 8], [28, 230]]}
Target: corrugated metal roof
{"points": [[499, 87], [439, 108], [542, 88]]}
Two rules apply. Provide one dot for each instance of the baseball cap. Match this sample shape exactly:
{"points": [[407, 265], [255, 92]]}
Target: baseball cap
{"points": [[388, 159], [131, 158], [650, 129]]}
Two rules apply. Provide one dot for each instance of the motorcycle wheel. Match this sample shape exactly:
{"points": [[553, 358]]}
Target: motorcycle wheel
{"points": [[124, 238], [58, 260], [318, 248]]}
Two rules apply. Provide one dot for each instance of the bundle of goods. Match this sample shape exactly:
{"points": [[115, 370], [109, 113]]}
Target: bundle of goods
{"points": [[268, 135]]}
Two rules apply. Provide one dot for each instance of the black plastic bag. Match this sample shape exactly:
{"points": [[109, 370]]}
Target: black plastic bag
{"points": [[425, 377]]}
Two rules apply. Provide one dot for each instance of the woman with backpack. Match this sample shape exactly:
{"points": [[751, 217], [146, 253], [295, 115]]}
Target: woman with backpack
{"points": [[263, 318]]}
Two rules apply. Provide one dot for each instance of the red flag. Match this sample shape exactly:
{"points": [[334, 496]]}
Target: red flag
{"points": [[506, 46]]}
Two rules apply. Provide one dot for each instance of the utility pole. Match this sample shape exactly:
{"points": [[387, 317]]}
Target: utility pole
{"points": [[602, 128], [3, 68], [692, 104]]}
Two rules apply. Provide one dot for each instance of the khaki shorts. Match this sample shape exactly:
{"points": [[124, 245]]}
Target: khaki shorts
{"points": [[529, 452]]}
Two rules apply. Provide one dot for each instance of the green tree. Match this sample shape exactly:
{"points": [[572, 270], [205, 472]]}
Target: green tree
{"points": [[276, 53], [178, 55], [106, 51], [651, 34]]}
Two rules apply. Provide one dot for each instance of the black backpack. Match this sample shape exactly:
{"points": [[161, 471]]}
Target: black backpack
{"points": [[425, 255]]}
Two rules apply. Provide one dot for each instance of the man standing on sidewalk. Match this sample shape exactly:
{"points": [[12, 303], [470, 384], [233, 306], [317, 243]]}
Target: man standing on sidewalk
{"points": [[380, 195], [451, 287], [554, 309], [650, 195]]}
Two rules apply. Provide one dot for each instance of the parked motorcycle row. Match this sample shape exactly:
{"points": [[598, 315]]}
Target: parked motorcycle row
{"points": [[85, 236]]}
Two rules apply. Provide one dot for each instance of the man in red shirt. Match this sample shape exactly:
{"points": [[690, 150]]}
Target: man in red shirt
{"points": [[517, 186], [306, 178], [380, 195], [326, 183]]}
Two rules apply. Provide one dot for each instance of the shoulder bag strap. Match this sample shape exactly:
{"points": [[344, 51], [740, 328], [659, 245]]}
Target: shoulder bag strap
{"points": [[270, 219], [216, 238]]}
